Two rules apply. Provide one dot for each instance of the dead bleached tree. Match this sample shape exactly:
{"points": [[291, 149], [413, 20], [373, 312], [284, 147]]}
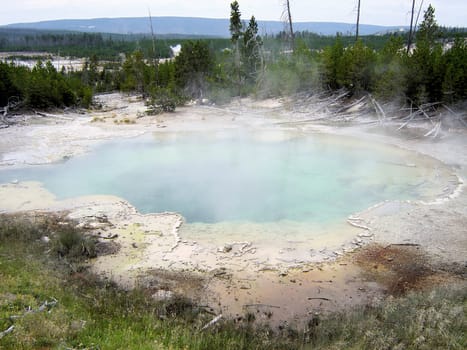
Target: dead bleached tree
{"points": [[411, 27], [334, 108], [155, 59], [13, 102], [358, 21], [287, 18]]}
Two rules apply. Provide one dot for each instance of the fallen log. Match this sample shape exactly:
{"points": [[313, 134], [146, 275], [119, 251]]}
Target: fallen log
{"points": [[350, 105], [426, 116], [212, 322], [46, 115], [402, 245], [111, 237], [44, 307], [324, 105], [378, 108], [262, 305], [434, 131], [7, 331], [331, 102], [410, 116], [458, 117]]}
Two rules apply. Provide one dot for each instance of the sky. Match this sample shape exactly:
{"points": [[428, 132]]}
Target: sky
{"points": [[381, 12]]}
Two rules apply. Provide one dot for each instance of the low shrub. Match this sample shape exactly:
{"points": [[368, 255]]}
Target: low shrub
{"points": [[73, 244], [14, 228], [160, 101]]}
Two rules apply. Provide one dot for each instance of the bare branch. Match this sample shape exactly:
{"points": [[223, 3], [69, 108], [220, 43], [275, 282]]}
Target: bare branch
{"points": [[212, 322], [7, 331]]}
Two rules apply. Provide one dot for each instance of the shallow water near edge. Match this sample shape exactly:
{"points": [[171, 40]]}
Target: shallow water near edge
{"points": [[244, 178]]}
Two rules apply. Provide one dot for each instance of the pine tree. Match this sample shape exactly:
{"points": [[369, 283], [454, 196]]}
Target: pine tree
{"points": [[390, 72], [236, 32], [332, 64], [235, 22], [251, 50], [425, 76], [455, 78], [193, 67], [428, 30], [8, 85]]}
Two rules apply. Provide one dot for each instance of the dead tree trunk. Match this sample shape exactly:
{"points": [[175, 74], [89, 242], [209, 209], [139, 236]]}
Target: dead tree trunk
{"points": [[288, 18], [358, 21], [4, 114], [155, 59], [411, 27], [418, 16]]}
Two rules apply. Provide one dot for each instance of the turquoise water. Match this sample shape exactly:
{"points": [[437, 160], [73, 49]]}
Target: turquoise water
{"points": [[238, 176]]}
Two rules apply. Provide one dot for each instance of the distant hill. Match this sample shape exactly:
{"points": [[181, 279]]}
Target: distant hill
{"points": [[190, 26]]}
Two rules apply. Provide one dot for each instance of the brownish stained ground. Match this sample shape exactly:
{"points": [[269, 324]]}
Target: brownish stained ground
{"points": [[363, 277], [403, 268], [293, 296]]}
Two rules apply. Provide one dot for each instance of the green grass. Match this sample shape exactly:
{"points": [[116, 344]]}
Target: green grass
{"points": [[431, 320], [90, 313]]}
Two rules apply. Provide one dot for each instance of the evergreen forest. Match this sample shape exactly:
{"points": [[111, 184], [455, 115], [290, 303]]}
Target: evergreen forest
{"points": [[432, 70]]}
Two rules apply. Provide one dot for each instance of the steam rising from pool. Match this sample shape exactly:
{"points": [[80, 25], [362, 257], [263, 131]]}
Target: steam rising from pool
{"points": [[239, 176]]}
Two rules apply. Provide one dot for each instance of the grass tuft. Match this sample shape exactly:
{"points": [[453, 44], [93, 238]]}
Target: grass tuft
{"points": [[73, 244]]}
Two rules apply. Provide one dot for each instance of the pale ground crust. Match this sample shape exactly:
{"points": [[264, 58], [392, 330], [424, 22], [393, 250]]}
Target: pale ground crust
{"points": [[290, 281]]}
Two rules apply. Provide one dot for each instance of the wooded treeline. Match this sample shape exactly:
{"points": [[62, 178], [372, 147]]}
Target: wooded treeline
{"points": [[42, 87], [434, 70], [107, 47]]}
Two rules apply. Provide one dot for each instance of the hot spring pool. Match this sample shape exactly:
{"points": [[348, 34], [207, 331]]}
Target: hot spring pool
{"points": [[242, 177]]}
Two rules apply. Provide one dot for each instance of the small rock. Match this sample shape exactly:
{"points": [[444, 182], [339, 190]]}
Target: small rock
{"points": [[163, 295], [366, 235], [45, 239], [227, 248], [77, 325]]}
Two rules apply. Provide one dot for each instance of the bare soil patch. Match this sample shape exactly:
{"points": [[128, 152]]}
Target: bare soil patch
{"points": [[401, 268]]}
